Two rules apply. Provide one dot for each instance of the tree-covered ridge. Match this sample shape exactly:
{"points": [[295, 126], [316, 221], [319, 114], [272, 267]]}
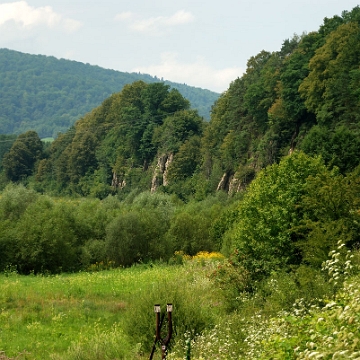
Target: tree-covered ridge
{"points": [[118, 144], [48, 95], [302, 97]]}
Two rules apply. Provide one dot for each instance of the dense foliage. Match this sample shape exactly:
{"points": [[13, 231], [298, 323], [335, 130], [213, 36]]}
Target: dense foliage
{"points": [[48, 95], [146, 138], [6, 142], [303, 96], [41, 234], [19, 162], [118, 145]]}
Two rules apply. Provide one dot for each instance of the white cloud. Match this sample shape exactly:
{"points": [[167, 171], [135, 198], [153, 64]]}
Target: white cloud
{"points": [[127, 15], [153, 25], [71, 25], [179, 18], [197, 73], [27, 16]]}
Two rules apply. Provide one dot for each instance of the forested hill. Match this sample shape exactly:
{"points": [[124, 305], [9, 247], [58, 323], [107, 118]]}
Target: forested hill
{"points": [[305, 96], [48, 95]]}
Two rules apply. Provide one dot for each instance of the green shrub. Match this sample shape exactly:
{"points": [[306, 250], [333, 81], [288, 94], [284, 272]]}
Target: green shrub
{"points": [[91, 218], [184, 234], [281, 290], [264, 235], [14, 201], [151, 201], [46, 238], [234, 281], [137, 236], [93, 252], [191, 313], [190, 230]]}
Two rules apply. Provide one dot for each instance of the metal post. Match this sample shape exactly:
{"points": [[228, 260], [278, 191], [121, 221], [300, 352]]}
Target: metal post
{"points": [[158, 328], [163, 341]]}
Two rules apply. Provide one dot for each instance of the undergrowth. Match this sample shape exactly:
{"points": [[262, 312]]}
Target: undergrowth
{"points": [[109, 314], [309, 328]]}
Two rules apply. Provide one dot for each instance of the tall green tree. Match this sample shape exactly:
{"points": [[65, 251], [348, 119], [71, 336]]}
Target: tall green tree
{"points": [[331, 203], [46, 238], [338, 147], [135, 236], [288, 113], [6, 142], [263, 236], [176, 129], [19, 162], [329, 90], [186, 160]]}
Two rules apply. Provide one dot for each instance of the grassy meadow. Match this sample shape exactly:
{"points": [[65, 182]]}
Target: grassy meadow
{"points": [[109, 314], [100, 315]]}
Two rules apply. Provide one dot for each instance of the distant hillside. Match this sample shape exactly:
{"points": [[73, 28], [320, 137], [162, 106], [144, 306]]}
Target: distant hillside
{"points": [[48, 95]]}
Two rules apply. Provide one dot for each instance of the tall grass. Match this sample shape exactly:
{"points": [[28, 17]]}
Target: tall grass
{"points": [[100, 315], [109, 314]]}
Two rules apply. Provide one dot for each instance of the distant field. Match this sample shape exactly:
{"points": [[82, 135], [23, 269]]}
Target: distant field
{"points": [[48, 139]]}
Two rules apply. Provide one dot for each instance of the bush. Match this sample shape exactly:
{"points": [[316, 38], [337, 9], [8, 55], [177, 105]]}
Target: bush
{"points": [[14, 201], [281, 290], [8, 244], [136, 236], [92, 253], [192, 314], [264, 235], [46, 238], [234, 281], [92, 217], [190, 229]]}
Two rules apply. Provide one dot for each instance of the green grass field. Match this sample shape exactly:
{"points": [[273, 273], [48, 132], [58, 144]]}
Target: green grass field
{"points": [[98, 315], [109, 315]]}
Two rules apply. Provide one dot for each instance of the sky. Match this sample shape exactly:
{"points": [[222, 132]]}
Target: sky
{"points": [[200, 43]]}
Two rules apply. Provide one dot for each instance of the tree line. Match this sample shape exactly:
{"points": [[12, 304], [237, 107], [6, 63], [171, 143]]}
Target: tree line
{"points": [[42, 234], [290, 218]]}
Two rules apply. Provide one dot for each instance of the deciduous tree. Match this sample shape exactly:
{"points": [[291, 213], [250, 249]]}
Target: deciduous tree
{"points": [[19, 162]]}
